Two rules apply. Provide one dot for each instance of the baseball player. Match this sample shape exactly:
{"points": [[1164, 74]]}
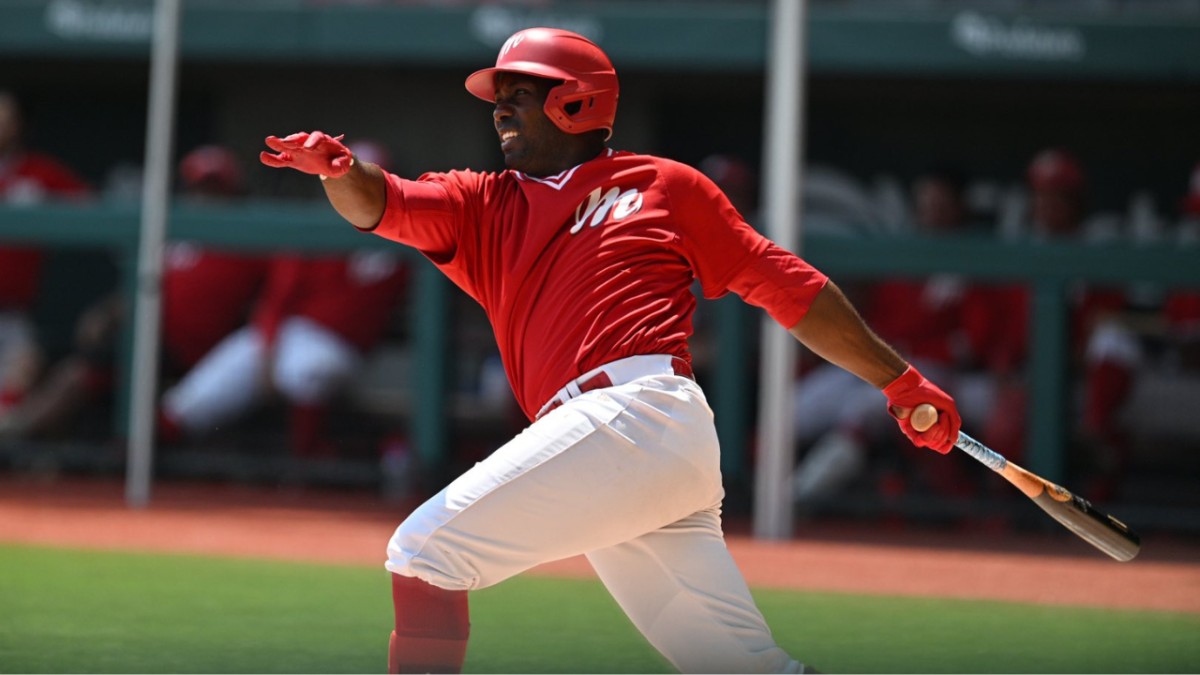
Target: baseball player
{"points": [[206, 294], [583, 257], [310, 328], [26, 177]]}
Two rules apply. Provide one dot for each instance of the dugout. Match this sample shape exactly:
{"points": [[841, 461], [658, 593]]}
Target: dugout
{"points": [[892, 84]]}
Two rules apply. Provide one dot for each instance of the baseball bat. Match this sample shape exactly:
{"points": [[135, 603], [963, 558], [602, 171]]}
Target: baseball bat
{"points": [[1076, 513]]}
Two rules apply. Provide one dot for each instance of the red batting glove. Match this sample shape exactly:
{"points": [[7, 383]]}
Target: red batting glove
{"points": [[317, 153], [911, 390]]}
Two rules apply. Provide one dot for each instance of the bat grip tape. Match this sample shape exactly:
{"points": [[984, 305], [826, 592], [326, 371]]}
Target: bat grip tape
{"points": [[994, 460]]}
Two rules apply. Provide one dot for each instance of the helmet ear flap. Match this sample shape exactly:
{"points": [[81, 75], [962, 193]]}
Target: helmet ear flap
{"points": [[575, 109]]}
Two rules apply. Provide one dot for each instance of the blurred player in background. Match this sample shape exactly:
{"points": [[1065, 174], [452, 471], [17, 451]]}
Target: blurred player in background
{"points": [[315, 320], [206, 295], [944, 323], [1104, 348], [26, 177], [1183, 306], [584, 259]]}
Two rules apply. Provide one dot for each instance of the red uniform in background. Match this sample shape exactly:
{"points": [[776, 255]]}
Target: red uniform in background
{"points": [[312, 324], [1183, 311], [953, 331], [20, 269], [206, 294], [30, 177], [26, 178], [942, 320], [350, 295]]}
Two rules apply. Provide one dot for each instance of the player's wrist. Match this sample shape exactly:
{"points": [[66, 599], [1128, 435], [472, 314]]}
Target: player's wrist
{"points": [[348, 167], [907, 381]]}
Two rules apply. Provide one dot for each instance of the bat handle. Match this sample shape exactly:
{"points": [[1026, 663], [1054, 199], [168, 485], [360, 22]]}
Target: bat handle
{"points": [[925, 416], [990, 458]]}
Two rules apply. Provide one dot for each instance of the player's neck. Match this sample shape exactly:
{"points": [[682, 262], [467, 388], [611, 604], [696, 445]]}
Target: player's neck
{"points": [[568, 160]]}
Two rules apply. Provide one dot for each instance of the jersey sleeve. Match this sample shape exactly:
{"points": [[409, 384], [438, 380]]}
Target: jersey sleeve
{"points": [[727, 254], [56, 177], [431, 212]]}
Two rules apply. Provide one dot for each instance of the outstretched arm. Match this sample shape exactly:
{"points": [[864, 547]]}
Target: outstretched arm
{"points": [[357, 190], [359, 196], [834, 331]]}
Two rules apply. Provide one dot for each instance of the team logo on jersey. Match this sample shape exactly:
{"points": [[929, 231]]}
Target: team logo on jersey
{"points": [[596, 208]]}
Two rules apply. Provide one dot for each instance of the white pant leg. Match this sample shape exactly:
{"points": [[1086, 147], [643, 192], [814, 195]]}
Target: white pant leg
{"points": [[604, 468], [227, 382], [683, 591], [17, 343], [1114, 342], [312, 363]]}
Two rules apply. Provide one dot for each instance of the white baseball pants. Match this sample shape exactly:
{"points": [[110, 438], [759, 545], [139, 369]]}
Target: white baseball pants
{"points": [[309, 364], [17, 344], [628, 475]]}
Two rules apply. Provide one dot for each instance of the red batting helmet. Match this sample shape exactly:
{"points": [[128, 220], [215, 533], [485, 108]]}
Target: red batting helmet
{"points": [[214, 167], [1056, 169], [587, 97]]}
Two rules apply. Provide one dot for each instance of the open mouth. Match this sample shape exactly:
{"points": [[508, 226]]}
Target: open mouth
{"points": [[507, 136]]}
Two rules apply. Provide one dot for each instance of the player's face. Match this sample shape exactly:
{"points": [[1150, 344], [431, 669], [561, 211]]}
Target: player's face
{"points": [[937, 205], [529, 140], [1056, 213], [10, 121]]}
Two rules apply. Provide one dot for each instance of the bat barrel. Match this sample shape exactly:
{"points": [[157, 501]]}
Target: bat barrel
{"points": [[1075, 513], [1093, 526]]}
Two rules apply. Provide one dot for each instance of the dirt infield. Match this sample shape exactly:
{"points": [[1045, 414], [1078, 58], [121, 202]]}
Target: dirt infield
{"points": [[354, 529]]}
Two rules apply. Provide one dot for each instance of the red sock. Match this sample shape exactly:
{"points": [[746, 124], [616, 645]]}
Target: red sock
{"points": [[169, 430], [9, 398], [306, 426], [432, 627], [1108, 386]]}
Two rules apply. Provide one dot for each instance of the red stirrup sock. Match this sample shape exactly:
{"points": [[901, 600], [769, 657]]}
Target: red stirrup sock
{"points": [[168, 427], [432, 627], [306, 428], [9, 398], [1108, 387]]}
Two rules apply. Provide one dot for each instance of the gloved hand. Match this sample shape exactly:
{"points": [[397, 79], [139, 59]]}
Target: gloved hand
{"points": [[317, 153], [911, 390]]}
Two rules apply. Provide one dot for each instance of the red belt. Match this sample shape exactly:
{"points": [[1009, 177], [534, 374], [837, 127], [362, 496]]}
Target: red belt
{"points": [[601, 380]]}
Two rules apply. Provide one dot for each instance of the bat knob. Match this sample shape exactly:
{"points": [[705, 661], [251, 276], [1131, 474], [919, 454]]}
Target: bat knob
{"points": [[923, 417]]}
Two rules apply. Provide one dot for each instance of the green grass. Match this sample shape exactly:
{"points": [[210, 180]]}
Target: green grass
{"points": [[80, 611]]}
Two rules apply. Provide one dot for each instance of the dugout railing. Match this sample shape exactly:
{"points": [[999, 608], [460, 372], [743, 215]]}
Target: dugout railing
{"points": [[1048, 269], [1132, 47]]}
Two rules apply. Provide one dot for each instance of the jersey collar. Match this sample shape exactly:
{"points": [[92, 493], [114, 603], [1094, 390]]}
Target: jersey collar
{"points": [[559, 180]]}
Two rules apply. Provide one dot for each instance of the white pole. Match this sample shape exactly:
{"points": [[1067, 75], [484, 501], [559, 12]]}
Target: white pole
{"points": [[164, 60], [782, 162]]}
